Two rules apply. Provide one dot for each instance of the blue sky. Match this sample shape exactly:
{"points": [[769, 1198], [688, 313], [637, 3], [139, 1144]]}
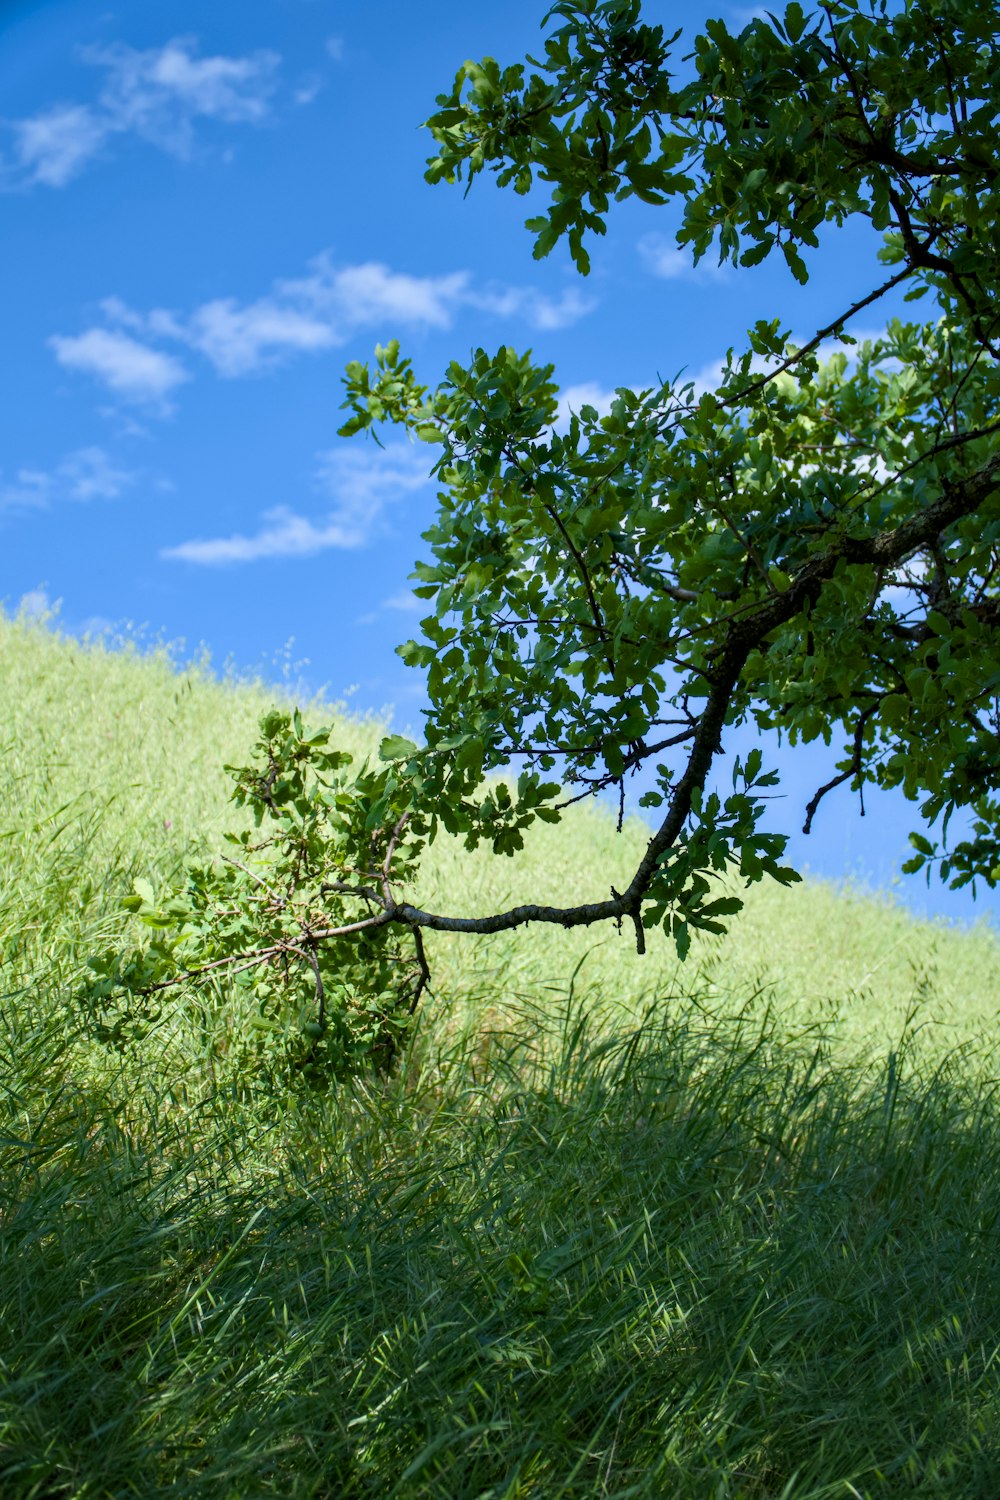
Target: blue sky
{"points": [[209, 210]]}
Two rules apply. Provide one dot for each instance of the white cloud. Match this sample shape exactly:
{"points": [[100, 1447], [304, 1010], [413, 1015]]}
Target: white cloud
{"points": [[335, 47], [157, 94], [588, 393], [706, 378], [361, 482], [832, 346], [552, 314], [364, 480], [226, 88], [745, 14], [302, 315], [37, 604], [545, 313], [305, 314], [239, 340], [283, 534], [661, 257], [405, 602], [709, 377], [308, 88], [89, 474], [117, 311], [132, 370], [54, 146], [28, 490], [86, 474], [355, 296]]}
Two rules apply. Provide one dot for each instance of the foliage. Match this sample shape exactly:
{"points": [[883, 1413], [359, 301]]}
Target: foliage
{"points": [[328, 988], [814, 546]]}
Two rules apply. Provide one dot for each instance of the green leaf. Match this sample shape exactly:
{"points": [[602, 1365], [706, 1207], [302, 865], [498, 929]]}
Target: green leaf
{"points": [[396, 747], [922, 844], [758, 252], [795, 21], [795, 262]]}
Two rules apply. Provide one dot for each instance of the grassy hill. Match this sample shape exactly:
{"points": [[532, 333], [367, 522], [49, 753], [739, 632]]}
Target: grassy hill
{"points": [[616, 1227]]}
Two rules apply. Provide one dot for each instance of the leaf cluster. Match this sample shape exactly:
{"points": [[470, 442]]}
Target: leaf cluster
{"points": [[294, 913]]}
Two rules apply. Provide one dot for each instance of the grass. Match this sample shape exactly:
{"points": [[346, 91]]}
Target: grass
{"points": [[615, 1228]]}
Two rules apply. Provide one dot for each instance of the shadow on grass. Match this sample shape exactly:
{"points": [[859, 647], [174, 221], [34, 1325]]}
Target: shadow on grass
{"points": [[701, 1258]]}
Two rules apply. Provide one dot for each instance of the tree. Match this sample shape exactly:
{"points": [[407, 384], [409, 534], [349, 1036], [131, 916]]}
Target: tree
{"points": [[813, 546]]}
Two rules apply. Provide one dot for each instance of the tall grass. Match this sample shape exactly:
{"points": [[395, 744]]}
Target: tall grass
{"points": [[628, 1231]]}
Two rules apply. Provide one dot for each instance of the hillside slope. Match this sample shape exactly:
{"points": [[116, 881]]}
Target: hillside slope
{"points": [[114, 763], [554, 1253]]}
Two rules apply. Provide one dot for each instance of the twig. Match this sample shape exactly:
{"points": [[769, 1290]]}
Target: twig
{"points": [[814, 343], [854, 769], [390, 851], [424, 971], [278, 900], [343, 889], [310, 958]]}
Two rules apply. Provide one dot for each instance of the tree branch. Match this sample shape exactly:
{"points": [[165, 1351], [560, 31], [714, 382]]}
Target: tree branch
{"points": [[745, 634], [814, 343]]}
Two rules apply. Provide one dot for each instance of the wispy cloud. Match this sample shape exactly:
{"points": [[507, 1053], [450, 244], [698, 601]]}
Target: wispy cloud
{"points": [[37, 604], [131, 369], [311, 313], [308, 88], [158, 94], [371, 292], [364, 480], [541, 312], [405, 602], [361, 482], [744, 14], [54, 146], [85, 474], [588, 393], [662, 258], [240, 340], [829, 347], [281, 534], [306, 314], [89, 474], [708, 378]]}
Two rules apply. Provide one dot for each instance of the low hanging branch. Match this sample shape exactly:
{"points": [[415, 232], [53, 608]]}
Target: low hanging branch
{"points": [[743, 636]]}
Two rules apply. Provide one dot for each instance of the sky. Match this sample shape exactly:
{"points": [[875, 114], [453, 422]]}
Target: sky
{"points": [[208, 211]]}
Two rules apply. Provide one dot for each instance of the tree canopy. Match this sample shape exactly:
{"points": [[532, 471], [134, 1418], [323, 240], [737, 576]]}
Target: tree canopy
{"points": [[812, 547]]}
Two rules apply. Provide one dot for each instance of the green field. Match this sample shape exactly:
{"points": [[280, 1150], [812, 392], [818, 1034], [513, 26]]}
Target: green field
{"points": [[615, 1227]]}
